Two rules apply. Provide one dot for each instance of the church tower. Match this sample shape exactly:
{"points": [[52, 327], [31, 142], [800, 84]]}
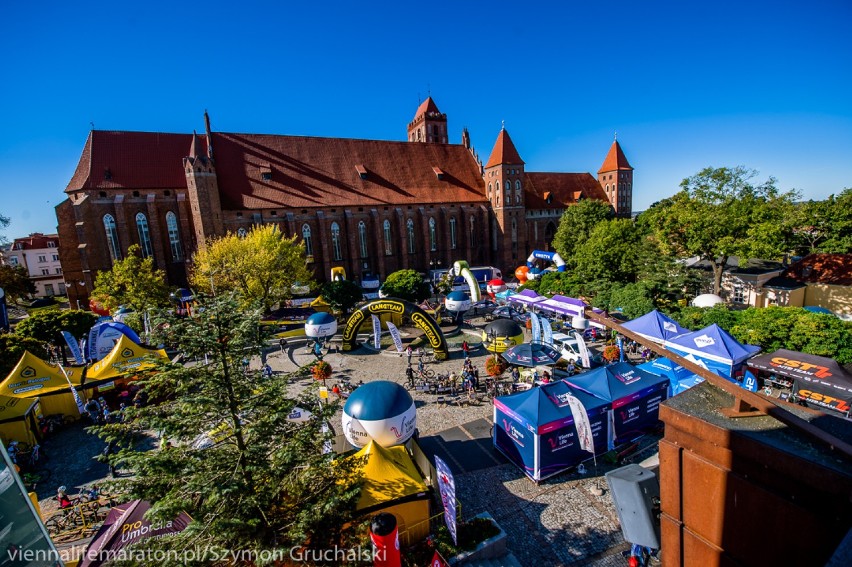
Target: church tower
{"points": [[429, 124], [504, 188], [616, 179], [203, 189]]}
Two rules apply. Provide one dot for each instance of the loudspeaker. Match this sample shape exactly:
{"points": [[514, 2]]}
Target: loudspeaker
{"points": [[636, 494]]}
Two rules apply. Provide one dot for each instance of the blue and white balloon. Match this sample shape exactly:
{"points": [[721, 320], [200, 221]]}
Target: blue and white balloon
{"points": [[379, 411], [320, 325], [457, 301]]}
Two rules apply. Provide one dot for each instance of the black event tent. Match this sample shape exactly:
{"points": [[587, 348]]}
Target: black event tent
{"points": [[819, 381]]}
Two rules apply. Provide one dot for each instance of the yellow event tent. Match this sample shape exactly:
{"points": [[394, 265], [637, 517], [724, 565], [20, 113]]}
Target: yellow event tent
{"points": [[18, 419], [33, 377], [125, 358], [393, 484]]}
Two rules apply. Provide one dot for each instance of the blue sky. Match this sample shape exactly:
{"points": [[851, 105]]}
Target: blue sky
{"points": [[686, 85]]}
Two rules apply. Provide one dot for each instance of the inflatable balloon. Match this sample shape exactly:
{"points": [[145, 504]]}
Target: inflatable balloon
{"points": [[457, 301], [521, 273], [495, 286], [320, 325], [98, 308], [461, 268], [381, 411]]}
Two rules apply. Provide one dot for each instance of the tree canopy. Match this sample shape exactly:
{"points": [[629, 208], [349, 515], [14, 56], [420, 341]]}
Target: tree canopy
{"points": [[263, 266], [407, 285], [720, 213], [12, 348], [16, 282], [133, 282], [576, 225], [822, 226], [342, 295], [47, 326], [248, 476]]}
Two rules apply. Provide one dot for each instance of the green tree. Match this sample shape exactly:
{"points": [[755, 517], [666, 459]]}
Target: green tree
{"points": [[16, 283], [133, 282], [4, 222], [342, 295], [610, 253], [407, 285], [720, 213], [822, 226], [633, 299], [47, 326], [576, 225], [12, 348], [265, 481], [552, 283], [263, 266], [667, 281]]}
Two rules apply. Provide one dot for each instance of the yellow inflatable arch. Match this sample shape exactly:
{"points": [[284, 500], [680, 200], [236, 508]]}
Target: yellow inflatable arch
{"points": [[418, 316]]}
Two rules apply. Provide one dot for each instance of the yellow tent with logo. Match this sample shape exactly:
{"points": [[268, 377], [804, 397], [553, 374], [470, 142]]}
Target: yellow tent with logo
{"points": [[393, 484], [33, 377], [18, 419], [125, 358]]}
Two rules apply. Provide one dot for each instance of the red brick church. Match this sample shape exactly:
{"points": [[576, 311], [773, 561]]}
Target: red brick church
{"points": [[369, 206]]}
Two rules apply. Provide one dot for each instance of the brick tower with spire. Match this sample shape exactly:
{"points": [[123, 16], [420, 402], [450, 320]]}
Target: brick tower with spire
{"points": [[504, 188], [616, 179], [203, 188], [429, 124]]}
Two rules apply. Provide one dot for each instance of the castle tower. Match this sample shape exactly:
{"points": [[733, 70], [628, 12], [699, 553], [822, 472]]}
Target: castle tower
{"points": [[203, 188], [429, 124], [504, 188], [616, 179]]}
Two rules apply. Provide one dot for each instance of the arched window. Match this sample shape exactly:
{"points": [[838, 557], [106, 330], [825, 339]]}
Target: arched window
{"points": [[241, 232], [411, 242], [472, 232], [517, 192], [453, 237], [388, 238], [433, 239], [489, 189], [306, 238], [514, 230], [508, 201], [144, 235], [112, 238], [174, 236], [335, 241], [362, 238]]}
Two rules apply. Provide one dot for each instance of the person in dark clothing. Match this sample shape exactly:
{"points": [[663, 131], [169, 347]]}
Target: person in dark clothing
{"points": [[110, 449]]}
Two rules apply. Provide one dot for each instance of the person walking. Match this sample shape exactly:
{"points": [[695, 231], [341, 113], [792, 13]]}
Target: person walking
{"points": [[466, 350], [409, 352]]}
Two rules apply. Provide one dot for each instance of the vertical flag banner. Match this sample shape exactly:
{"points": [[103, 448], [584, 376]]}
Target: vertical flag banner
{"points": [[546, 331], [74, 347], [447, 488], [584, 351], [377, 332], [619, 341], [581, 422], [77, 399], [397, 340], [535, 327], [749, 381]]}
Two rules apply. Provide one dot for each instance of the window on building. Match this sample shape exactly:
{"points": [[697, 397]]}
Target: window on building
{"points": [[51, 244], [42, 258], [514, 230], [472, 238], [306, 238], [144, 235], [48, 290], [433, 237], [56, 257], [174, 236], [13, 260], [489, 189], [45, 272], [112, 238], [453, 238], [388, 238], [58, 270], [409, 225], [335, 241], [517, 192], [739, 294], [362, 238]]}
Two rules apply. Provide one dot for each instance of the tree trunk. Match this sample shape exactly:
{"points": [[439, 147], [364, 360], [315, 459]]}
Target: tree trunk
{"points": [[718, 270]]}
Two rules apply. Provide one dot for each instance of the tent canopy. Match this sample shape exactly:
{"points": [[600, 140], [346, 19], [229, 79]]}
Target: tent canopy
{"points": [[616, 381], [547, 407], [713, 343], [526, 297], [13, 408], [655, 326], [665, 367], [126, 357], [812, 373], [34, 377], [389, 475]]}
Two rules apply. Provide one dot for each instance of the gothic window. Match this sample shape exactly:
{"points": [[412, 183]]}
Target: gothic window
{"points": [[453, 238], [433, 240], [514, 230], [388, 238], [144, 235], [335, 241], [174, 236], [508, 201], [112, 238], [489, 189], [306, 238], [472, 232], [362, 238], [517, 192], [411, 242]]}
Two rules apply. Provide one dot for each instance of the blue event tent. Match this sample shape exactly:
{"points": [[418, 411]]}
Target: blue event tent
{"points": [[680, 379], [655, 326], [713, 348], [535, 429], [635, 396]]}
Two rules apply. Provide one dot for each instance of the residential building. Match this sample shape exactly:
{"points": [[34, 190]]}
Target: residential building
{"points": [[39, 254], [817, 280]]}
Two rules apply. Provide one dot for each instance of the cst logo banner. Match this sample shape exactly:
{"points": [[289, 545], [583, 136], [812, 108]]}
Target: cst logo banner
{"points": [[824, 400]]}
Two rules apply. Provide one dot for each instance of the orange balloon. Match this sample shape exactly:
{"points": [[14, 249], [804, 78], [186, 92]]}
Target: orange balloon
{"points": [[521, 273]]}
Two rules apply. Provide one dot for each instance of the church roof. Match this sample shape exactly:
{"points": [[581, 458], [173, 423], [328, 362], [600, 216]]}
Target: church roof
{"points": [[426, 107], [615, 159], [563, 189], [504, 151]]}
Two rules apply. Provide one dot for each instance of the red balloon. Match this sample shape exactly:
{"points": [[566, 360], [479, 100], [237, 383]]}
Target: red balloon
{"points": [[98, 308], [521, 273]]}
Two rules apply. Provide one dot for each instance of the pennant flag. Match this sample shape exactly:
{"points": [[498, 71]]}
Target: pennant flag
{"points": [[749, 381], [74, 347], [546, 331], [581, 422], [535, 327], [619, 341], [377, 332], [397, 340], [584, 351], [77, 399], [447, 488]]}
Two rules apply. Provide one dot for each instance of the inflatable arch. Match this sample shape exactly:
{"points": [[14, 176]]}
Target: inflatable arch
{"points": [[462, 268], [393, 305], [553, 257], [338, 274]]}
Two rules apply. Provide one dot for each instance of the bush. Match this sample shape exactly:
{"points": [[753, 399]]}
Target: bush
{"points": [[495, 366], [611, 353], [321, 370]]}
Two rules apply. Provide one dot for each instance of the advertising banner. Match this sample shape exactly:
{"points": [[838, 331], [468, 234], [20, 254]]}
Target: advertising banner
{"points": [[447, 488], [581, 422], [638, 412], [397, 340], [546, 331], [377, 332], [515, 441], [584, 351], [535, 327], [74, 347]]}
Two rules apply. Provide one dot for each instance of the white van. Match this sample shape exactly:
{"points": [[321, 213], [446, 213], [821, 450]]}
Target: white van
{"points": [[568, 346]]}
